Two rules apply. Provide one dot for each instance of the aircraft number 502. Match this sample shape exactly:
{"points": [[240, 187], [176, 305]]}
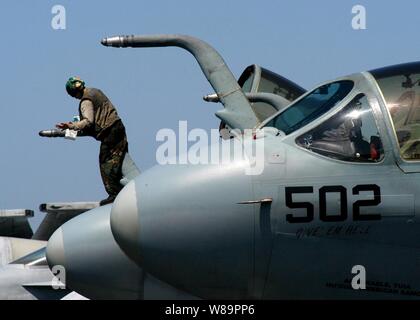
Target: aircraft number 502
{"points": [[343, 214]]}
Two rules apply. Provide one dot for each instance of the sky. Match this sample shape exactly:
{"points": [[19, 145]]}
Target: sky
{"points": [[306, 41]]}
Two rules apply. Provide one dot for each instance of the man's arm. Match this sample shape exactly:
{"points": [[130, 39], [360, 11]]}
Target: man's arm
{"points": [[82, 126], [87, 120]]}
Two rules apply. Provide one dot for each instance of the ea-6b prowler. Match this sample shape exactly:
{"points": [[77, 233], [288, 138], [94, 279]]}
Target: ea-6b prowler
{"points": [[337, 193]]}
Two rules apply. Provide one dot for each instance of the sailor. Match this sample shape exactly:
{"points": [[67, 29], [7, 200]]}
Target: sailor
{"points": [[99, 119]]}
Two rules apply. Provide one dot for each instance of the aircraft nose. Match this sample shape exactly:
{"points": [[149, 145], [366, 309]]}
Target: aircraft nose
{"points": [[184, 225], [55, 249], [125, 220], [93, 263]]}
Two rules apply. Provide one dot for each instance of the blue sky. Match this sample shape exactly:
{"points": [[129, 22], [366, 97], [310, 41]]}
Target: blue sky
{"points": [[306, 41]]}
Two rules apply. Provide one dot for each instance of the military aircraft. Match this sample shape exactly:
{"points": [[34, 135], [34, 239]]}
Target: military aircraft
{"points": [[24, 273], [338, 190]]}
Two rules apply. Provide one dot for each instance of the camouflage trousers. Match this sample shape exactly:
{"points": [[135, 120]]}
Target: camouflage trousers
{"points": [[113, 148]]}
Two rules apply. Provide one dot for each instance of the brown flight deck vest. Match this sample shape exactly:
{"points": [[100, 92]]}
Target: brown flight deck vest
{"points": [[105, 114]]}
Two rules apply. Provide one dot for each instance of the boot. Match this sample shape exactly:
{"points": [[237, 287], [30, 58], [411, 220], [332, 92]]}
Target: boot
{"points": [[106, 201]]}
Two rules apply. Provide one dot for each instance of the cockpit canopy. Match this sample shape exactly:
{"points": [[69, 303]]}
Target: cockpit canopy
{"points": [[351, 133], [257, 79], [312, 106], [400, 86]]}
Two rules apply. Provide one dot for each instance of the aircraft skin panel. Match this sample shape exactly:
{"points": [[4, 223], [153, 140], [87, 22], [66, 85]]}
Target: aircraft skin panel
{"points": [[321, 268], [384, 226], [12, 277], [17, 227], [208, 280], [81, 253], [347, 227], [14, 248], [6, 254]]}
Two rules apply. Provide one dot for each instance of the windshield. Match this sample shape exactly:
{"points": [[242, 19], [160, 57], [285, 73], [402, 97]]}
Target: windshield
{"points": [[312, 106], [349, 135]]}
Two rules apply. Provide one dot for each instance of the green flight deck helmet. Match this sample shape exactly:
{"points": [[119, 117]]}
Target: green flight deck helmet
{"points": [[74, 85]]}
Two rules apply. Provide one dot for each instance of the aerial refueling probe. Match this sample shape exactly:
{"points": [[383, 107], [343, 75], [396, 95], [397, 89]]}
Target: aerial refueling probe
{"points": [[238, 112]]}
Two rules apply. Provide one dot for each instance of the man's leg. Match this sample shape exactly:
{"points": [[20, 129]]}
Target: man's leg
{"points": [[111, 157]]}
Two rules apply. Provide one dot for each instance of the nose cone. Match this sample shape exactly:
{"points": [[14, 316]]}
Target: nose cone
{"points": [[125, 221], [94, 264], [55, 249], [183, 224]]}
